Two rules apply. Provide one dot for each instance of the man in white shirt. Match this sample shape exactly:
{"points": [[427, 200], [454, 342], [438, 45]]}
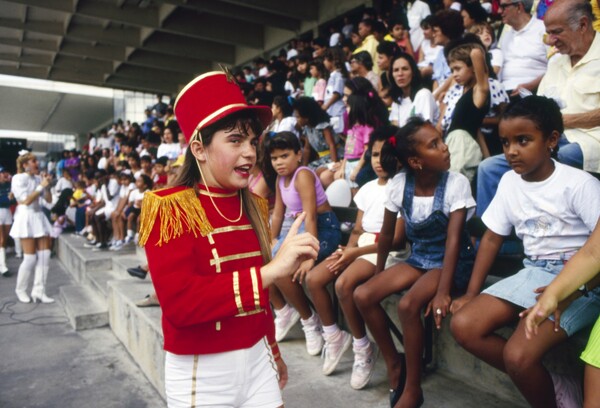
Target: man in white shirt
{"points": [[522, 44]]}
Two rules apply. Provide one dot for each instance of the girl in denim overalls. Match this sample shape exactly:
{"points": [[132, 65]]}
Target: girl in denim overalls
{"points": [[434, 205], [298, 189]]}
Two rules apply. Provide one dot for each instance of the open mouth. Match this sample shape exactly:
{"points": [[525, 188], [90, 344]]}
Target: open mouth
{"points": [[244, 171]]}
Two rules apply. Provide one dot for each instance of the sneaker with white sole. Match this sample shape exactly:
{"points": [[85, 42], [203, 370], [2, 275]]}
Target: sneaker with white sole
{"points": [[364, 365], [567, 390], [285, 319], [314, 338], [333, 350]]}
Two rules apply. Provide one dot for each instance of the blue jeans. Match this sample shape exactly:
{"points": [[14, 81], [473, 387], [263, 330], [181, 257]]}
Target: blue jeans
{"points": [[328, 231], [491, 170]]}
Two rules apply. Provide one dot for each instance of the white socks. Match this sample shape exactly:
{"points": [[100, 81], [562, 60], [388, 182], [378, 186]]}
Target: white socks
{"points": [[329, 331], [360, 343], [25, 270], [41, 273]]}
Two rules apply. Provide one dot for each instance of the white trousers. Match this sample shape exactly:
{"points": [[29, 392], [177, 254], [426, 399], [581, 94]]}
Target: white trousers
{"points": [[241, 378]]}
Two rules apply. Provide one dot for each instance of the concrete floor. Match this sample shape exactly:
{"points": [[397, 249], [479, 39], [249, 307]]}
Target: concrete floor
{"points": [[45, 363]]}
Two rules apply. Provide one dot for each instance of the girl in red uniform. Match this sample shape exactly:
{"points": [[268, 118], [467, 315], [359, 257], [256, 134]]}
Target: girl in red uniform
{"points": [[207, 244]]}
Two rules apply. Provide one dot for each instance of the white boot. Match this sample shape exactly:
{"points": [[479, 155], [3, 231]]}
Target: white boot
{"points": [[3, 268], [38, 293], [18, 248], [23, 276]]}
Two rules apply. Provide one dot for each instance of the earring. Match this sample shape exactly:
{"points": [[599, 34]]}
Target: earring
{"points": [[551, 149], [420, 166]]}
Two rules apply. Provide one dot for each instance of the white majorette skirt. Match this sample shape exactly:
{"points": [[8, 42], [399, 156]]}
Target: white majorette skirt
{"points": [[239, 378], [30, 224]]}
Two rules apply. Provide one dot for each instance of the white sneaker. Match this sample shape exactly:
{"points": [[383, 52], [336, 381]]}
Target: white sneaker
{"points": [[314, 338], [567, 390], [333, 350], [284, 321], [364, 365]]}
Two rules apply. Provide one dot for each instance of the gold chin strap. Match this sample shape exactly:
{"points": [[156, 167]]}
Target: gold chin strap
{"points": [[197, 136]]}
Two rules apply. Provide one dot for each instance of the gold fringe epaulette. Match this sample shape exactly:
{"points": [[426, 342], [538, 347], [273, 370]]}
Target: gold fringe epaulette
{"points": [[177, 211]]}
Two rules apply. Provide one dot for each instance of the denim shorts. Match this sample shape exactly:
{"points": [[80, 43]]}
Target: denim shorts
{"points": [[328, 233], [519, 290]]}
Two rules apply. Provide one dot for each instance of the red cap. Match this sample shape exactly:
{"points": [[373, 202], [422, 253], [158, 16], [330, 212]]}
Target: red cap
{"points": [[210, 97]]}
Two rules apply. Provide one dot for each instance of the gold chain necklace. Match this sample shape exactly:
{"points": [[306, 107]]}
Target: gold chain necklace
{"points": [[215, 204]]}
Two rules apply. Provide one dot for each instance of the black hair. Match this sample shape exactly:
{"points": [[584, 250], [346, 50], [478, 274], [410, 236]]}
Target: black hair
{"points": [[147, 181], [378, 27], [364, 58], [284, 104], [399, 19], [321, 42], [450, 22], [309, 108], [366, 107], [147, 158], [337, 56], [63, 202], [282, 141], [475, 11], [388, 159], [426, 22], [163, 160], [416, 83], [388, 48], [405, 140], [543, 112]]}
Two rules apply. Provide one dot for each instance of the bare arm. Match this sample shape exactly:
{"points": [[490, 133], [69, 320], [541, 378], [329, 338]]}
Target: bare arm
{"points": [[585, 120], [441, 301], [481, 91]]}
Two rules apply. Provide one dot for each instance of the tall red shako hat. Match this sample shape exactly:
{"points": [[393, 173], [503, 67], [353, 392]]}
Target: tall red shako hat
{"points": [[210, 97]]}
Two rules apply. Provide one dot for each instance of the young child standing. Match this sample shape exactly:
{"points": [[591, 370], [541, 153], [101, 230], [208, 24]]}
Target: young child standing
{"points": [[207, 244], [434, 205], [352, 265], [317, 72], [469, 70], [298, 190], [335, 64], [366, 112], [553, 208]]}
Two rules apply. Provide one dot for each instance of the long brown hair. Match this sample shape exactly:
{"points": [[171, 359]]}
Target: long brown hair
{"points": [[189, 175]]}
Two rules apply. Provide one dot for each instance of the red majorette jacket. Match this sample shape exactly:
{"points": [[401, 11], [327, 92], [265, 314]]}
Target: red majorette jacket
{"points": [[206, 271]]}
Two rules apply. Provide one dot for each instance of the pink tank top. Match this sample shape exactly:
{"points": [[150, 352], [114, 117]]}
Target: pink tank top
{"points": [[291, 198]]}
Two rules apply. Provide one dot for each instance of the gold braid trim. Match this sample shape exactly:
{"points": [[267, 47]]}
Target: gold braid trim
{"points": [[176, 212]]}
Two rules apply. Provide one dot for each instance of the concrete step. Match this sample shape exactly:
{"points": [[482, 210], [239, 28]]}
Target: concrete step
{"points": [[308, 387], [78, 260], [121, 263], [98, 281], [84, 308], [139, 329]]}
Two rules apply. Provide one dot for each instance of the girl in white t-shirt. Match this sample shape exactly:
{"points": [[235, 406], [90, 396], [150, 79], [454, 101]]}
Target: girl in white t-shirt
{"points": [[143, 183], [352, 265], [553, 209], [408, 92], [434, 204]]}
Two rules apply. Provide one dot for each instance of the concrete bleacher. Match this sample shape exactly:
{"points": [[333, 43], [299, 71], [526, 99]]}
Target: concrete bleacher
{"points": [[105, 295]]}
